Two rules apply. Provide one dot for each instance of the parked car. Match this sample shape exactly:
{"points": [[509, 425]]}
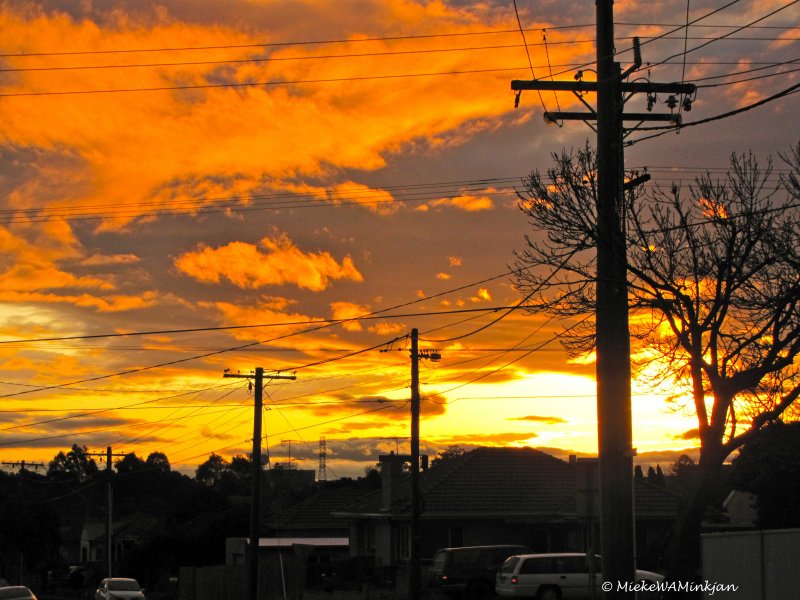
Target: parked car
{"points": [[556, 577], [16, 592], [119, 588], [469, 571]]}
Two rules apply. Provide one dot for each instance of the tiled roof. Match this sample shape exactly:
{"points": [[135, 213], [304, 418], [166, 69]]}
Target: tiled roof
{"points": [[522, 483], [315, 511]]}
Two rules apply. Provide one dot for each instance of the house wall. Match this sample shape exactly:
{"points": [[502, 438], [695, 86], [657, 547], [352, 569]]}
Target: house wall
{"points": [[384, 543]]}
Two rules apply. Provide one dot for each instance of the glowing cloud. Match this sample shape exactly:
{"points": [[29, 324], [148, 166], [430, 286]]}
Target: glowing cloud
{"points": [[482, 295], [281, 262], [468, 203], [349, 310]]}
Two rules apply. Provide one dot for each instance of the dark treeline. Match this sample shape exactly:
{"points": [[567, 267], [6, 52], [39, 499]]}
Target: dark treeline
{"points": [[163, 519]]}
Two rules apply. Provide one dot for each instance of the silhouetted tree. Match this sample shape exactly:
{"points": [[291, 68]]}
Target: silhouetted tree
{"points": [[210, 472], [449, 454], [159, 462], [130, 462], [75, 464], [638, 473], [714, 284], [655, 476]]}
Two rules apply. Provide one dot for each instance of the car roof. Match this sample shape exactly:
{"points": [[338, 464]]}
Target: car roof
{"points": [[552, 555], [481, 547], [15, 591]]}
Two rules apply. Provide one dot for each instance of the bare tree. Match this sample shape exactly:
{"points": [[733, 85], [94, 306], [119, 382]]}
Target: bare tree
{"points": [[714, 292]]}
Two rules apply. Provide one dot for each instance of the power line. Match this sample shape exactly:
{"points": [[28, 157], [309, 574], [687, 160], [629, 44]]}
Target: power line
{"points": [[766, 16], [98, 411], [244, 85], [324, 325], [277, 201], [288, 43], [527, 50], [286, 432], [269, 59], [74, 434], [368, 317], [725, 115], [423, 51], [460, 34], [755, 78]]}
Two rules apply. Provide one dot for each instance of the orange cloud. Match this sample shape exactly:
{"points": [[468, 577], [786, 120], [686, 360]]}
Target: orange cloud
{"points": [[115, 303], [279, 324], [482, 295], [349, 310], [386, 328], [114, 259], [467, 202], [247, 266], [216, 142], [30, 266]]}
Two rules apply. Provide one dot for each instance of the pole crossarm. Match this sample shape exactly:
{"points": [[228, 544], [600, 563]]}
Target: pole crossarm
{"points": [[253, 376], [555, 116], [518, 85]]}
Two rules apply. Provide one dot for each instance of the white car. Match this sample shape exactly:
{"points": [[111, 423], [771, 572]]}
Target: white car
{"points": [[119, 588], [16, 592], [557, 577]]}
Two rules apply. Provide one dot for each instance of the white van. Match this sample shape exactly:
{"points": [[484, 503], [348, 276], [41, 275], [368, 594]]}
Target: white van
{"points": [[556, 577]]}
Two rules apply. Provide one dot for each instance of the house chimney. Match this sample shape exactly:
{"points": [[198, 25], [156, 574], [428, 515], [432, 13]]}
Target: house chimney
{"points": [[391, 471]]}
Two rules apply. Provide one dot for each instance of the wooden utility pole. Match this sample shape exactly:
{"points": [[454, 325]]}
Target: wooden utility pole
{"points": [[414, 576], [614, 428], [109, 507], [255, 500], [415, 579]]}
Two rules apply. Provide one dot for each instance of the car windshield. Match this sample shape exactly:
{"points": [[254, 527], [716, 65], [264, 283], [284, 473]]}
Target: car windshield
{"points": [[509, 565], [123, 585]]}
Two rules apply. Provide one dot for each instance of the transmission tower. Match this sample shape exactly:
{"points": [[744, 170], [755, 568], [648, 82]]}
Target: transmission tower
{"points": [[323, 453]]}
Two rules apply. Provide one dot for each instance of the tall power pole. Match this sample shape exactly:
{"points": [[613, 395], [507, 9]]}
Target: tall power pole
{"points": [[415, 579], [614, 427], [109, 507], [255, 500], [414, 576]]}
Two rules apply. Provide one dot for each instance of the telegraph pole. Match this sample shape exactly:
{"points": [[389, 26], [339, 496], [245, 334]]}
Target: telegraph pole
{"points": [[614, 427], [414, 577], [258, 395], [109, 507]]}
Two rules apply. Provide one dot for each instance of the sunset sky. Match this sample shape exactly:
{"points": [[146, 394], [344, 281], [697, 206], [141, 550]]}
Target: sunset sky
{"points": [[227, 181]]}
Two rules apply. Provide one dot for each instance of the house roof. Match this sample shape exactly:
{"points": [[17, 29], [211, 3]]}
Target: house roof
{"points": [[522, 483], [132, 528], [314, 512]]}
